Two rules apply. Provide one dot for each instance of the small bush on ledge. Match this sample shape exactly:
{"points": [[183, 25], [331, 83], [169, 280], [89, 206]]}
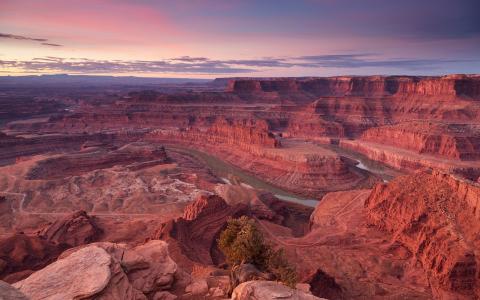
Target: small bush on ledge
{"points": [[241, 242]]}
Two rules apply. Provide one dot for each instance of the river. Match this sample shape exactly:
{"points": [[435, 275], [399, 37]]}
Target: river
{"points": [[225, 170], [383, 171]]}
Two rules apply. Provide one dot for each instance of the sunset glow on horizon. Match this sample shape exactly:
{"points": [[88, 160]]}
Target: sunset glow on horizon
{"points": [[207, 39]]}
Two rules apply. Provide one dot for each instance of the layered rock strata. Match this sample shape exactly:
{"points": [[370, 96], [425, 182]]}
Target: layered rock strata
{"points": [[452, 141], [453, 85], [15, 147], [135, 154], [436, 217], [21, 254]]}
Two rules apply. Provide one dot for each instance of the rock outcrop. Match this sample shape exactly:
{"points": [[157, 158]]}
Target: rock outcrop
{"points": [[246, 272], [454, 141], [268, 290], [341, 257], [84, 274], [204, 205], [242, 133], [74, 230], [246, 134], [104, 271], [192, 239], [21, 254], [436, 217]]}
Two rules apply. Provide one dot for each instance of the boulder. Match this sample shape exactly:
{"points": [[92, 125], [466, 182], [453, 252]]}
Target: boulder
{"points": [[197, 287], [246, 272], [157, 269], [105, 271], [81, 275], [268, 290]]}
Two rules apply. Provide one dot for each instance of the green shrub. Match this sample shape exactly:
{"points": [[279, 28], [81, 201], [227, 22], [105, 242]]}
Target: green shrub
{"points": [[242, 242], [278, 265]]}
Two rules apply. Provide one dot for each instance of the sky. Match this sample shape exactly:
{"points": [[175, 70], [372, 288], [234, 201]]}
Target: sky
{"points": [[232, 38]]}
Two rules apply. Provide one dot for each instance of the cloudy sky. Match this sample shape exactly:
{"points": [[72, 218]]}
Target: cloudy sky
{"points": [[215, 38]]}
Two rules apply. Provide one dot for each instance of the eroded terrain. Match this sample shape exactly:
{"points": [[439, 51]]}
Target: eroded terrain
{"points": [[370, 184]]}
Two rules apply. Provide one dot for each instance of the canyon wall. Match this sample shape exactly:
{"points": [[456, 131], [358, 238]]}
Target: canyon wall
{"points": [[452, 85], [455, 141], [250, 135], [435, 215], [242, 133], [306, 170]]}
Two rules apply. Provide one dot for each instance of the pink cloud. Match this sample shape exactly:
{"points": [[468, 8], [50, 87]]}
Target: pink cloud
{"points": [[91, 18]]}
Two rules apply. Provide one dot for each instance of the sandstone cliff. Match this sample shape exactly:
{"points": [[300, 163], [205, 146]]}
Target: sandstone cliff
{"points": [[436, 217], [367, 86], [455, 141]]}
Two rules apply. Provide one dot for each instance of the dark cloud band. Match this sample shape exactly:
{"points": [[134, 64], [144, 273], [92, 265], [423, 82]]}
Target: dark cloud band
{"points": [[26, 38], [202, 65]]}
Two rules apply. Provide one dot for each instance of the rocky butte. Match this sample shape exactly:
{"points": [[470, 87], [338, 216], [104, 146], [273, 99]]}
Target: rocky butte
{"points": [[369, 185]]}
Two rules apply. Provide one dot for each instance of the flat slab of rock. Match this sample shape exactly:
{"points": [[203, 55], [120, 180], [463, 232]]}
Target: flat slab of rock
{"points": [[268, 290], [88, 267]]}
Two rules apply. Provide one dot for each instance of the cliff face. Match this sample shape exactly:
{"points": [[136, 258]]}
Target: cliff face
{"points": [[436, 217], [246, 134], [242, 133], [74, 230], [457, 85], [452, 141], [21, 254]]}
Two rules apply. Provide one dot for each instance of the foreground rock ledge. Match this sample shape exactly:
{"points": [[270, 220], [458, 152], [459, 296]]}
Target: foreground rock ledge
{"points": [[268, 290], [85, 273], [104, 271]]}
